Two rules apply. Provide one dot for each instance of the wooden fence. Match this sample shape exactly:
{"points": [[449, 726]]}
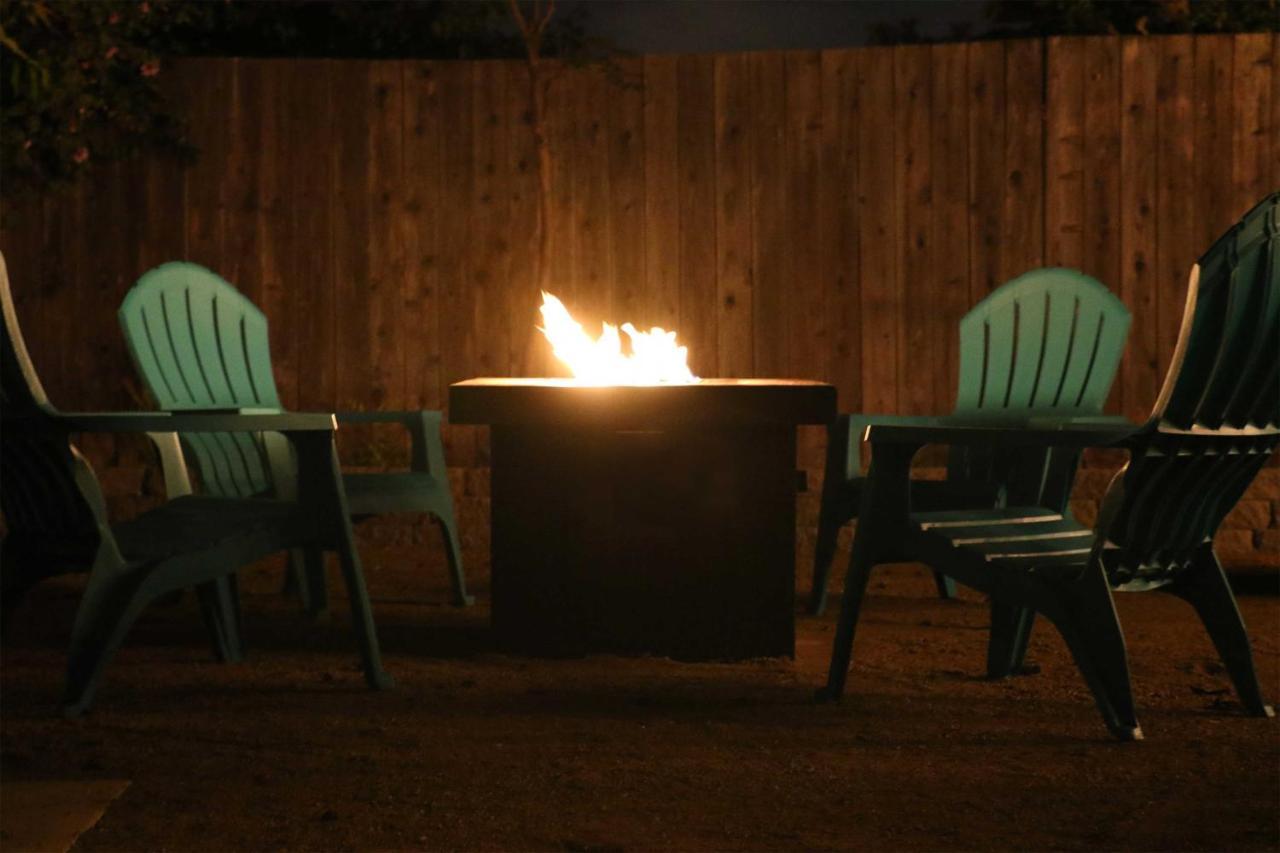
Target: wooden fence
{"points": [[825, 215]]}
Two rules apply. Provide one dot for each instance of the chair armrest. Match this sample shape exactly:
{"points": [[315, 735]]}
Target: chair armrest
{"points": [[427, 453], [1045, 432], [188, 421], [173, 464], [853, 429]]}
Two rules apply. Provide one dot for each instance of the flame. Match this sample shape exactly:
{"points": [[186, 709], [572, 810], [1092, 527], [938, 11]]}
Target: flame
{"points": [[655, 358]]}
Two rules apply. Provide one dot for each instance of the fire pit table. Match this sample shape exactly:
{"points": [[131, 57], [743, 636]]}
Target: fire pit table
{"points": [[644, 519]]}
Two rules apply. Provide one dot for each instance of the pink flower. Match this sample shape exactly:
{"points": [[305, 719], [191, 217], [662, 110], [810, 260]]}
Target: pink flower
{"points": [[112, 51], [150, 69], [81, 155], [145, 8], [26, 145], [113, 18]]}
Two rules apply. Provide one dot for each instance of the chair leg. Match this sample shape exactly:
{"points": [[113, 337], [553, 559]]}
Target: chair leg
{"points": [[317, 600], [946, 586], [1091, 628], [105, 616], [453, 553], [361, 611], [855, 587], [1007, 646], [824, 552], [220, 607], [1206, 588]]}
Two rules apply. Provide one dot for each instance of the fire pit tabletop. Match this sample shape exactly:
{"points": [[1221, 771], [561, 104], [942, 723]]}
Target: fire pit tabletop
{"points": [[737, 402]]}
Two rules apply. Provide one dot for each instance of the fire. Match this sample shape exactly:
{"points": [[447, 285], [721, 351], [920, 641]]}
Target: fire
{"points": [[654, 359]]}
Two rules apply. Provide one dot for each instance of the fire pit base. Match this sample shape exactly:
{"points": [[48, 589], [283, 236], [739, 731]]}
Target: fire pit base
{"points": [[676, 540]]}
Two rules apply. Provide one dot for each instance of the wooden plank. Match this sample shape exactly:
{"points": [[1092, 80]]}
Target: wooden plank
{"points": [[879, 234], [808, 332], [1022, 246], [986, 166], [1064, 201], [351, 189], [807, 323], [1275, 110], [1139, 371], [592, 262], [1213, 110], [423, 179], [310, 120], [919, 347], [562, 122], [661, 303], [769, 205], [1251, 129], [1176, 248], [838, 194], [210, 90], [734, 323], [1102, 212], [57, 347], [696, 137], [626, 140], [457, 343], [383, 291], [274, 225], [489, 248], [241, 245], [528, 350], [948, 292]]}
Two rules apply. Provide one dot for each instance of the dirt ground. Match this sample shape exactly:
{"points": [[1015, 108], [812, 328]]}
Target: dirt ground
{"points": [[476, 750]]}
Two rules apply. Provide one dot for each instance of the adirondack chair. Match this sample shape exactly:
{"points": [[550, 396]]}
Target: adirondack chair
{"points": [[177, 320], [1214, 425], [57, 522], [1047, 342]]}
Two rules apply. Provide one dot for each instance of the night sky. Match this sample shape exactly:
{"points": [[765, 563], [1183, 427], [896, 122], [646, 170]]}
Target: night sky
{"points": [[701, 26]]}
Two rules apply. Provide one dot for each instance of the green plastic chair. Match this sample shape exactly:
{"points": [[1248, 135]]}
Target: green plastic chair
{"points": [[1215, 424], [1048, 342], [57, 522], [182, 323]]}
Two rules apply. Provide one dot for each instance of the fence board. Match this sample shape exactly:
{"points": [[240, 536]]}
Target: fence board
{"points": [[1023, 228], [733, 216], [423, 182], [915, 271], [309, 118], [769, 204], [878, 233], [1251, 89], [1176, 248], [1064, 192], [986, 166], [1140, 62], [947, 290], [696, 137], [661, 303], [839, 219]]}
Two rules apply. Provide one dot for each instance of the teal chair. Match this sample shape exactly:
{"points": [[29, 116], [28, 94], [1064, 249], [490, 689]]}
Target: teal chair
{"points": [[1216, 422], [1048, 342], [198, 343], [57, 523]]}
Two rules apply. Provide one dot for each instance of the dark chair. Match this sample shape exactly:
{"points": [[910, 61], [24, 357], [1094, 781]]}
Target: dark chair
{"points": [[57, 520], [1216, 422], [198, 343], [1046, 343]]}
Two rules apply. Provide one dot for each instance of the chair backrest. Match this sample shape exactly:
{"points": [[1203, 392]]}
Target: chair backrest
{"points": [[1049, 341], [1217, 419], [200, 344], [43, 505]]}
